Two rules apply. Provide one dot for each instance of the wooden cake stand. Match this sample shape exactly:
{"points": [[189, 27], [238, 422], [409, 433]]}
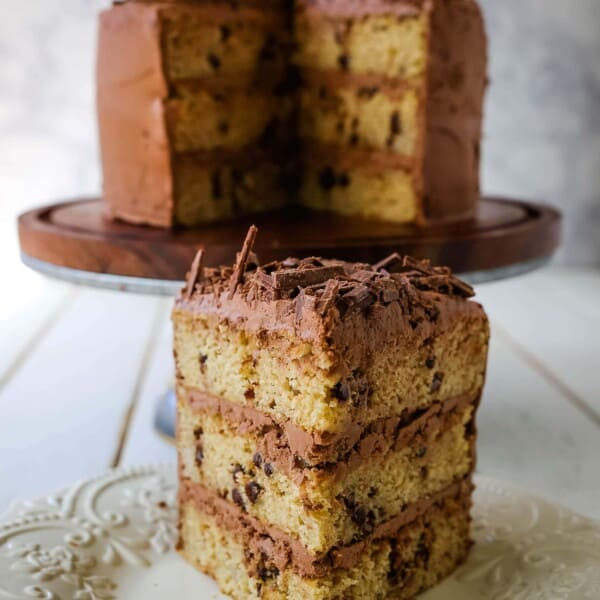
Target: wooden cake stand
{"points": [[72, 241]]}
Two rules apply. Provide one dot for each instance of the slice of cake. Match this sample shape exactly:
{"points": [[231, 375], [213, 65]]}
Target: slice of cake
{"points": [[326, 425], [391, 106], [192, 108], [210, 109]]}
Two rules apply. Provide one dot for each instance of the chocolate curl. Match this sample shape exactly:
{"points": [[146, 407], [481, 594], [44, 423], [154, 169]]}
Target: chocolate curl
{"points": [[196, 273], [329, 296], [242, 260], [386, 263]]}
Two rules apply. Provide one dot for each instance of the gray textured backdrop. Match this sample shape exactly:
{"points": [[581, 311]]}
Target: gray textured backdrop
{"points": [[542, 123]]}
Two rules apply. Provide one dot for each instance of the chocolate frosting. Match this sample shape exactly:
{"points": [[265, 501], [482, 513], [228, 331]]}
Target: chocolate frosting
{"points": [[457, 80], [296, 452], [131, 88], [334, 303], [268, 546]]}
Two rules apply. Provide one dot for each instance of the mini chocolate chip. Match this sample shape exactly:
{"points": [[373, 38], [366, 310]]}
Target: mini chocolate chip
{"points": [[237, 469], [430, 362], [436, 382], [327, 178], [216, 190], [359, 516], [268, 469], [341, 391], [349, 503], [257, 459], [249, 394], [198, 432], [424, 472], [395, 125], [253, 491], [225, 33], [236, 496], [372, 492], [344, 61], [199, 454], [421, 452], [268, 573], [423, 551], [343, 180], [269, 49], [214, 60], [202, 358], [354, 139], [367, 91], [161, 504]]}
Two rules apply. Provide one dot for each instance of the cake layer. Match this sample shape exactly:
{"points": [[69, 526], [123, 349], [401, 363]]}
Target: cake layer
{"points": [[284, 359], [363, 116], [387, 44], [332, 504], [232, 117], [398, 563], [208, 192], [219, 38], [389, 194]]}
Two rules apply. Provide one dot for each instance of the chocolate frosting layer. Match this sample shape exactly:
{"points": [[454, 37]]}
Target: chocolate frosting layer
{"points": [[268, 546], [296, 452], [457, 80], [362, 8], [131, 88]]}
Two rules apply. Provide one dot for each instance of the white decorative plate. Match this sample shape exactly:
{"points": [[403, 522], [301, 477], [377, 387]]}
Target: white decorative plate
{"points": [[111, 538]]}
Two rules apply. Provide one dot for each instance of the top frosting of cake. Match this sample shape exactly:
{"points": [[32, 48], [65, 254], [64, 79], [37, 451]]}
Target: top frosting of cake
{"points": [[312, 296]]}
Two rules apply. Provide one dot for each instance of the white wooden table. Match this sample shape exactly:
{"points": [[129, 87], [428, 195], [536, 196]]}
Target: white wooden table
{"points": [[81, 372]]}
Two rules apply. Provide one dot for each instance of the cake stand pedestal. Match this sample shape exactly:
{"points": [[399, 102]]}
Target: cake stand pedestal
{"points": [[71, 240]]}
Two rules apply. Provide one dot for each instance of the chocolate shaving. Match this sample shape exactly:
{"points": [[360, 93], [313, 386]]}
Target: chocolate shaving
{"points": [[463, 288], [242, 260], [195, 273], [416, 264], [359, 297], [388, 262], [329, 295], [264, 279], [291, 278], [300, 299]]}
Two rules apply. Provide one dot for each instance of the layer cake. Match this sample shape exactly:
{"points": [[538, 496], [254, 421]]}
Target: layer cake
{"points": [[326, 425], [211, 109]]}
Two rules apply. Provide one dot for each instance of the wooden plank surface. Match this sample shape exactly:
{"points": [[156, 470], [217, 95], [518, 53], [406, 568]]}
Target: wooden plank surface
{"points": [[530, 434], [144, 445], [62, 411], [553, 318]]}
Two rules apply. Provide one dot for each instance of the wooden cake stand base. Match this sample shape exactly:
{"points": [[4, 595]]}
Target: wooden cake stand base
{"points": [[72, 240]]}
